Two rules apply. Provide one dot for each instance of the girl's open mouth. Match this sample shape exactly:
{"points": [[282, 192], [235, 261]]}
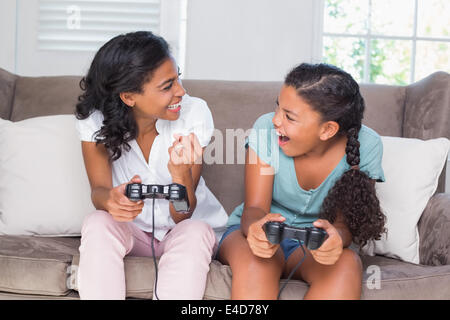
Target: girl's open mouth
{"points": [[282, 139]]}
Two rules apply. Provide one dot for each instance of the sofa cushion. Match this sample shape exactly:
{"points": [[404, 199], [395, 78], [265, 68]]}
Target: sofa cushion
{"points": [[412, 168], [48, 266], [383, 278], [402, 280], [36, 265], [44, 188], [397, 280]]}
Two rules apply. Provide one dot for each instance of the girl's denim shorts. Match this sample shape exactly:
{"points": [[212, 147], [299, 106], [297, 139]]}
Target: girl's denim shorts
{"points": [[287, 245]]}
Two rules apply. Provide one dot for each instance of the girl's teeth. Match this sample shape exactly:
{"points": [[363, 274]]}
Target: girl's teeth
{"points": [[280, 135]]}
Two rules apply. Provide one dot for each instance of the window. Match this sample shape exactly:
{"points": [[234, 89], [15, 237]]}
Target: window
{"points": [[389, 42], [85, 25]]}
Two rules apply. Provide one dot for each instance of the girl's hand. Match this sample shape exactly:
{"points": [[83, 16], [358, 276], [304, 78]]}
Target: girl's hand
{"points": [[331, 250], [183, 154], [119, 206], [256, 237]]}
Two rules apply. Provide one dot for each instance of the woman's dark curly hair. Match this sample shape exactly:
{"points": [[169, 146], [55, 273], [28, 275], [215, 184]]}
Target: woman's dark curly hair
{"points": [[124, 64], [335, 95]]}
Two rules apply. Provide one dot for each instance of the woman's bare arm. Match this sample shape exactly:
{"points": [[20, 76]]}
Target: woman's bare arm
{"points": [[104, 196]]}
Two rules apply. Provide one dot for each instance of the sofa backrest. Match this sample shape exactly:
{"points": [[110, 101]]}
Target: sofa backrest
{"points": [[238, 104], [420, 110]]}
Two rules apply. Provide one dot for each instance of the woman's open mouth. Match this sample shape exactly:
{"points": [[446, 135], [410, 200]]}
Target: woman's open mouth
{"points": [[174, 107]]}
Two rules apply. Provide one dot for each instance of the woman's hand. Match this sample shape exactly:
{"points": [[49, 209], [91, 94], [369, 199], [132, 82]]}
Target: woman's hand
{"points": [[256, 237], [184, 153], [119, 206], [331, 250]]}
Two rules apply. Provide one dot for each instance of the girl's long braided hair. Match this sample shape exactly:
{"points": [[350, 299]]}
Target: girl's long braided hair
{"points": [[334, 94]]}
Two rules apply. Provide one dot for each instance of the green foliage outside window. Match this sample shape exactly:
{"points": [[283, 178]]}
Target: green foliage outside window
{"points": [[353, 27]]}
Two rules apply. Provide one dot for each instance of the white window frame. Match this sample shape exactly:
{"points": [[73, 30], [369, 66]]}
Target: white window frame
{"points": [[319, 34]]}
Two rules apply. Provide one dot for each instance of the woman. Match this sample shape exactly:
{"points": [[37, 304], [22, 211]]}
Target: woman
{"points": [[138, 125]]}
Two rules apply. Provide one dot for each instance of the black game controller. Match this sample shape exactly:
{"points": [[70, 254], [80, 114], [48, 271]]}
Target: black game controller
{"points": [[311, 237], [175, 193]]}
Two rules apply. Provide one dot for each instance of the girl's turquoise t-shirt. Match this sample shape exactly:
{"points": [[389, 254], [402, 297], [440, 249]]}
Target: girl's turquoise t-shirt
{"points": [[301, 207]]}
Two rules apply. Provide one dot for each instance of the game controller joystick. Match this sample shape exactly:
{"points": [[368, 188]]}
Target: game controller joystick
{"points": [[312, 237], [175, 193]]}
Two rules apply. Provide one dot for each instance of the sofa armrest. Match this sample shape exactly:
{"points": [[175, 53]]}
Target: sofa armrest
{"points": [[434, 231], [7, 89], [427, 111]]}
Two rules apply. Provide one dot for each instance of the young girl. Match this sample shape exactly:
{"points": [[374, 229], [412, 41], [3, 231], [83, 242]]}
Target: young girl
{"points": [[324, 164], [137, 124]]}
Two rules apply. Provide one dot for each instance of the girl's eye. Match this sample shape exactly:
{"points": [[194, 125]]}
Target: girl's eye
{"points": [[289, 118], [168, 87]]}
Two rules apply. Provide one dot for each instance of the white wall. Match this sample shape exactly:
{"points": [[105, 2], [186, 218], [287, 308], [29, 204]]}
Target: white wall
{"points": [[249, 40], [226, 39], [8, 34]]}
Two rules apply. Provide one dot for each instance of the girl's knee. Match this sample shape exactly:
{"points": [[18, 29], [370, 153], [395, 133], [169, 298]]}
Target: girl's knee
{"points": [[351, 260], [254, 266]]}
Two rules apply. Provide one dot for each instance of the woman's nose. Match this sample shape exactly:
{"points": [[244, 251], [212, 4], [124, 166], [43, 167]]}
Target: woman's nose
{"points": [[180, 89]]}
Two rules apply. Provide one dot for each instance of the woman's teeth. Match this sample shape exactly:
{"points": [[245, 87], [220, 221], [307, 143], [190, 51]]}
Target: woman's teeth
{"points": [[174, 106]]}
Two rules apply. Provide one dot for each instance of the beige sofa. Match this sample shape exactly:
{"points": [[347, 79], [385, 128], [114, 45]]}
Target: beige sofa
{"points": [[45, 268]]}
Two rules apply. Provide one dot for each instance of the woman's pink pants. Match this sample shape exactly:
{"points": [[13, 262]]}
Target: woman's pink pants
{"points": [[185, 254]]}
